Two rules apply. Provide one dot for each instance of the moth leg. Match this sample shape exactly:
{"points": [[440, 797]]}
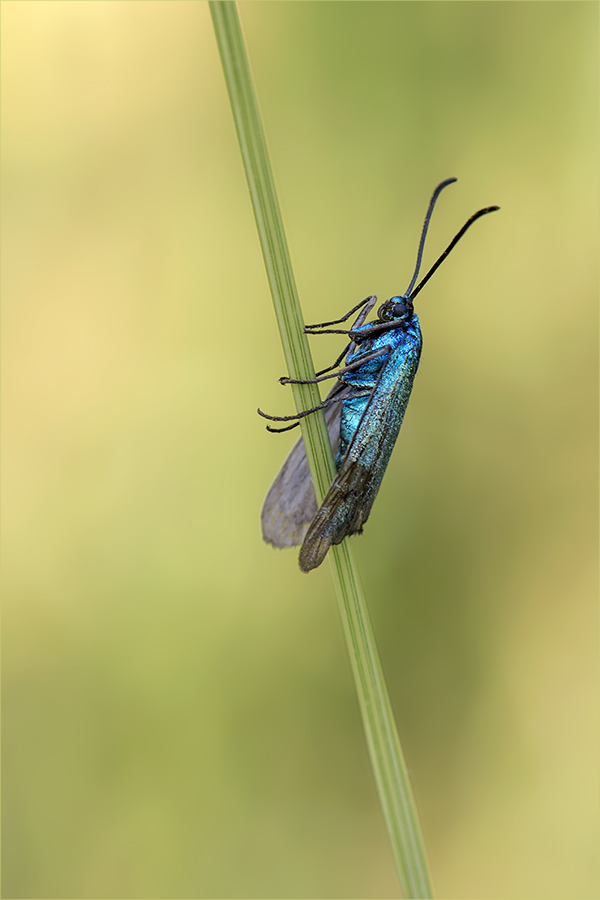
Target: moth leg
{"points": [[281, 430], [372, 300], [282, 380], [299, 415], [336, 363], [359, 336], [329, 331], [359, 321], [322, 372], [306, 412], [369, 331], [351, 368], [364, 313], [349, 348]]}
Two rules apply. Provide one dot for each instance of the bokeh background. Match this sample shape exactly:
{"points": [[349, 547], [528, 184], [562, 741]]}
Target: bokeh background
{"points": [[179, 713]]}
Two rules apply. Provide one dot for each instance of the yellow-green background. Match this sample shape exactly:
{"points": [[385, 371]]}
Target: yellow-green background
{"points": [[179, 715]]}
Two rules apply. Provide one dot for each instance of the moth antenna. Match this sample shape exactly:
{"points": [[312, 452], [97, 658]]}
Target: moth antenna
{"points": [[451, 245], [432, 203]]}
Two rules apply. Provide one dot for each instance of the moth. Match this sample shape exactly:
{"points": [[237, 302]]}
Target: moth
{"points": [[364, 412]]}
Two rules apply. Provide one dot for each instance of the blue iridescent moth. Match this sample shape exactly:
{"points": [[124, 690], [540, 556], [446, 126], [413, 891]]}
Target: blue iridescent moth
{"points": [[363, 411]]}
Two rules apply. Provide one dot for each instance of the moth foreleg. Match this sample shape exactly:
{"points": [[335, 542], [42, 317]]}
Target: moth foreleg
{"points": [[372, 300]]}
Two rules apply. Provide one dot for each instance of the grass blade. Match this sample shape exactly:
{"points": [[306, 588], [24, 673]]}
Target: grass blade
{"points": [[389, 768]]}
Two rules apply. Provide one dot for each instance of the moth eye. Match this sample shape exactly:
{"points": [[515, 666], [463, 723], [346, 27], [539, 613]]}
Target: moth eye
{"points": [[386, 311]]}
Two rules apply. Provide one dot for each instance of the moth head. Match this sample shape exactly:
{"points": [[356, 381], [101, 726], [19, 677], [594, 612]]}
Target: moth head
{"points": [[395, 308]]}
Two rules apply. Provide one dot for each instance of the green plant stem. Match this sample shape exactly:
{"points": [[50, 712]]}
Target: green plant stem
{"points": [[389, 768]]}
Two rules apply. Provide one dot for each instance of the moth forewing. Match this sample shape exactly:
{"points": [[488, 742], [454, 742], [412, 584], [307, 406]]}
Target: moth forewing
{"points": [[350, 498]]}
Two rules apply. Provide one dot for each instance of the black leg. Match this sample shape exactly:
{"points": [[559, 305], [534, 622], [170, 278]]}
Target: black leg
{"points": [[351, 368], [375, 328], [336, 363], [281, 430], [328, 331], [282, 380], [361, 318], [299, 415], [372, 299], [370, 331], [307, 412], [365, 312]]}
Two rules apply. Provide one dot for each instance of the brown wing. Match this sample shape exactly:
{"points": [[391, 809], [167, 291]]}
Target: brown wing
{"points": [[343, 513]]}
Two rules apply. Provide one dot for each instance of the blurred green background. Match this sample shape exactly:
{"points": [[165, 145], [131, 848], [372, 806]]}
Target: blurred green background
{"points": [[179, 713]]}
